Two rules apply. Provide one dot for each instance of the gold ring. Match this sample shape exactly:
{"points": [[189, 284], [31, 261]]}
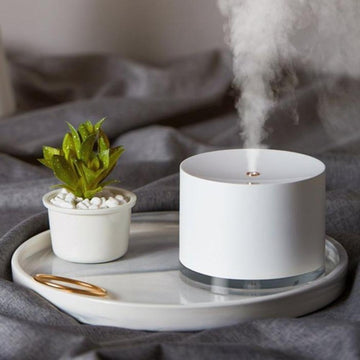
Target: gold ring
{"points": [[53, 281]]}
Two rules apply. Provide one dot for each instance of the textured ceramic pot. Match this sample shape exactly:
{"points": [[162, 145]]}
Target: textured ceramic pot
{"points": [[90, 236], [252, 218]]}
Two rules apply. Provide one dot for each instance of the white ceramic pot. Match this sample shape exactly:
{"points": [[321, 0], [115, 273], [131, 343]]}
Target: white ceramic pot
{"points": [[266, 230], [90, 236]]}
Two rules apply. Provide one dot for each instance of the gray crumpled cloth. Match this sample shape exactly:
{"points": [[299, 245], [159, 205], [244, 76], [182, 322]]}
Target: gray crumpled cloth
{"points": [[163, 115]]}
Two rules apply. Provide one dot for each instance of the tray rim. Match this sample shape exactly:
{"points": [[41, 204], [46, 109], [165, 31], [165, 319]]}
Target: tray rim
{"points": [[19, 272]]}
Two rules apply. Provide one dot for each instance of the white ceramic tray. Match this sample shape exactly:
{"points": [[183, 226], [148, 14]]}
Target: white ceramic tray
{"points": [[146, 291]]}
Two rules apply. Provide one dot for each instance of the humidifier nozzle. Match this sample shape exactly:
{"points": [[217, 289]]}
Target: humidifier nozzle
{"points": [[252, 173]]}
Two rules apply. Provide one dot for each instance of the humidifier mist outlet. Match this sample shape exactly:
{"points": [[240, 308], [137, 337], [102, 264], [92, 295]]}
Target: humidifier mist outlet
{"points": [[234, 235], [252, 173]]}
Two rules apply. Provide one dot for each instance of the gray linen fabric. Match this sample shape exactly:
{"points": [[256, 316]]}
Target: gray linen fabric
{"points": [[163, 115]]}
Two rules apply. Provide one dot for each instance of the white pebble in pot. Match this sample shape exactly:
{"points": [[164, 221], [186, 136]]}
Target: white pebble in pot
{"points": [[95, 201], [111, 202]]}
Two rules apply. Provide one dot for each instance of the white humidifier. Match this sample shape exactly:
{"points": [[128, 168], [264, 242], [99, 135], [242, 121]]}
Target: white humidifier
{"points": [[252, 218]]}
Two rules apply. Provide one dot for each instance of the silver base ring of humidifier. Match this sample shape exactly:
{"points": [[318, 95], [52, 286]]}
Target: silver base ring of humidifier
{"points": [[224, 286]]}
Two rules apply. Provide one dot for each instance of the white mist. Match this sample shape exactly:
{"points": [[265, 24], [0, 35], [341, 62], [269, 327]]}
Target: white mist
{"points": [[270, 38]]}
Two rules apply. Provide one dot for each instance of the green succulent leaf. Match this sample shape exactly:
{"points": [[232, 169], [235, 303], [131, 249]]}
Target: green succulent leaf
{"points": [[86, 149], [68, 146], [84, 161], [90, 176], [104, 156], [57, 186], [76, 139], [83, 131], [49, 152], [115, 153], [78, 165], [63, 170], [95, 163], [97, 126], [89, 126], [47, 163], [104, 143]]}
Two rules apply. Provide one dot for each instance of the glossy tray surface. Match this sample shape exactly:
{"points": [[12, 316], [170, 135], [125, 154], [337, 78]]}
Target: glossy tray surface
{"points": [[146, 290]]}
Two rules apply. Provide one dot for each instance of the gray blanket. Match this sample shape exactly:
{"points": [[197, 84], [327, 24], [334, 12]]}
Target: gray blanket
{"points": [[163, 115]]}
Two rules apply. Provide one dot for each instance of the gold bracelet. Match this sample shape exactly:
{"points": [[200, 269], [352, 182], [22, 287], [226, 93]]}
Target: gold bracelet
{"points": [[53, 281]]}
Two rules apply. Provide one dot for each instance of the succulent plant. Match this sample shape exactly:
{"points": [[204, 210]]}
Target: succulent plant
{"points": [[84, 161]]}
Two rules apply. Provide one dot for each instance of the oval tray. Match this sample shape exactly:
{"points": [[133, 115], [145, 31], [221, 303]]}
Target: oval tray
{"points": [[147, 292]]}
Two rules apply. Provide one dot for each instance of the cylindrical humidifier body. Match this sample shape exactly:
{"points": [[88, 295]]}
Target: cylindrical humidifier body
{"points": [[245, 225]]}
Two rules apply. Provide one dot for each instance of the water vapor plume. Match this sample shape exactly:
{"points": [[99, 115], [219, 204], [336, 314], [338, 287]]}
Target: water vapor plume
{"points": [[270, 39]]}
